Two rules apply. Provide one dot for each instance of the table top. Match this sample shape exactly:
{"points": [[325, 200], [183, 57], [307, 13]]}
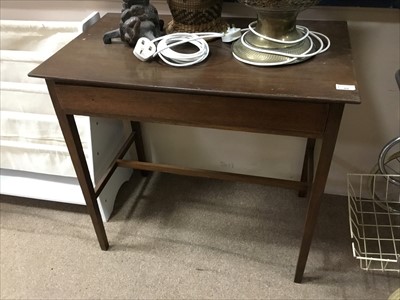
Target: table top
{"points": [[88, 61]]}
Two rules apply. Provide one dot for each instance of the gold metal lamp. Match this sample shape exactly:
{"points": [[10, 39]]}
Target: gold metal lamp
{"points": [[275, 33]]}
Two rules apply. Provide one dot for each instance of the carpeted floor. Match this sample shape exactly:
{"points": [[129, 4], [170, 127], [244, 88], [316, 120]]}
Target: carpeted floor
{"points": [[177, 237]]}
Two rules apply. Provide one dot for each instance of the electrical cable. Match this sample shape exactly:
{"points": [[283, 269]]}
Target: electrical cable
{"points": [[307, 34], [179, 59], [162, 46]]}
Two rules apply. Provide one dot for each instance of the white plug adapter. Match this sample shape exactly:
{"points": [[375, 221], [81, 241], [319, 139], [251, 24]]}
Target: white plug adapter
{"points": [[231, 34], [144, 49]]}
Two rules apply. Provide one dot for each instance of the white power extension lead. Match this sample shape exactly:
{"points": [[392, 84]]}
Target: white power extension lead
{"points": [[231, 34], [179, 59], [144, 49], [147, 49], [322, 44]]}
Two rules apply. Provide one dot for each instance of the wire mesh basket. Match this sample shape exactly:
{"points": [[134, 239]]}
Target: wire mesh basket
{"points": [[374, 216]]}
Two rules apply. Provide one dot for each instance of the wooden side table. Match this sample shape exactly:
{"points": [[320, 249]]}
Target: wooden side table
{"points": [[89, 78]]}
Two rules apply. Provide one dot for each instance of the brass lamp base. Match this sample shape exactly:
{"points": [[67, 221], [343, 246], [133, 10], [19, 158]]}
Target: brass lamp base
{"points": [[275, 20], [244, 53]]}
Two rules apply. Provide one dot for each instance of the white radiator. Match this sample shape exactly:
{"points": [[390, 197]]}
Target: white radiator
{"points": [[35, 162]]}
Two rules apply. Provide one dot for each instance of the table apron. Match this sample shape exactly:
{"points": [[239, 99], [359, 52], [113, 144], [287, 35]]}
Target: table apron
{"points": [[307, 119]]}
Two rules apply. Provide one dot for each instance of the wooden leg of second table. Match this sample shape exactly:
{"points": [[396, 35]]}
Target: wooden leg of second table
{"points": [[139, 144], [307, 174], [318, 187], [138, 140]]}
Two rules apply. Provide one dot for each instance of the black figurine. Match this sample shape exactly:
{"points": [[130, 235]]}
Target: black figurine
{"points": [[138, 19]]}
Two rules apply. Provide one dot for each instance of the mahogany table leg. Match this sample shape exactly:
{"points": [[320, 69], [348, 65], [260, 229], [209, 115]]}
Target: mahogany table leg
{"points": [[138, 140], [72, 139], [139, 144], [307, 174], [318, 187]]}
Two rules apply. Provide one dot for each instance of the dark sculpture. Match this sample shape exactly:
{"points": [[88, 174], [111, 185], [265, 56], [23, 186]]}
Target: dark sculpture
{"points": [[138, 19]]}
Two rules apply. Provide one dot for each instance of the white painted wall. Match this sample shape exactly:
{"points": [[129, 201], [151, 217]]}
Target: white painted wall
{"points": [[375, 38]]}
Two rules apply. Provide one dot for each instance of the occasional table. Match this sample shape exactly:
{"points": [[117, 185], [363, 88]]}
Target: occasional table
{"points": [[89, 78]]}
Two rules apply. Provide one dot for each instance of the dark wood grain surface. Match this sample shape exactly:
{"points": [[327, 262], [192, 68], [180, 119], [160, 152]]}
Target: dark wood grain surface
{"points": [[87, 61]]}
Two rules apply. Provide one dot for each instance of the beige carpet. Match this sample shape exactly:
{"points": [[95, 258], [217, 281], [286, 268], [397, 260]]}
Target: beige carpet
{"points": [[175, 237]]}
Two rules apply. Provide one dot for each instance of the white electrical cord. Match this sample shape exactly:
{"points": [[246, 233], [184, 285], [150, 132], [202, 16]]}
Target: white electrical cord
{"points": [[178, 59], [146, 49], [307, 34]]}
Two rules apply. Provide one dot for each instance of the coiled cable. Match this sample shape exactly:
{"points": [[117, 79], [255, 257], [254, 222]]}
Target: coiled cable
{"points": [[307, 34], [148, 49], [179, 59]]}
